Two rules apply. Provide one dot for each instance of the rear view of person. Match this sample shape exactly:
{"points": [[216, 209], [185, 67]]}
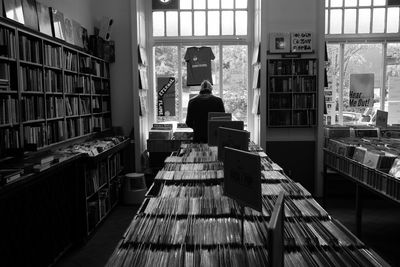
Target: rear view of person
{"points": [[198, 109]]}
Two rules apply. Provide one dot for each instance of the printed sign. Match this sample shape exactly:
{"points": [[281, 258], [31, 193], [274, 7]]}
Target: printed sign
{"points": [[242, 177], [362, 90], [165, 96], [301, 42]]}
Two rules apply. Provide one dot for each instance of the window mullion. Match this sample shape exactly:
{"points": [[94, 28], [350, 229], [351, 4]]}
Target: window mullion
{"points": [[383, 82], [221, 78], [165, 23], [371, 18], [341, 78], [180, 87]]}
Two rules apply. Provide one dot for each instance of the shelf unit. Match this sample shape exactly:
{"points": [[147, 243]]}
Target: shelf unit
{"points": [[102, 185], [51, 91], [292, 92]]}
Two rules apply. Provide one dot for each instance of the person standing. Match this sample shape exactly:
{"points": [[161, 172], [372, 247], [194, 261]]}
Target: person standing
{"points": [[198, 109]]}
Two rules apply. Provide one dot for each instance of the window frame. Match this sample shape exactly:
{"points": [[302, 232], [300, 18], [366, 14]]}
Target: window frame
{"points": [[328, 8], [207, 40], [365, 38]]}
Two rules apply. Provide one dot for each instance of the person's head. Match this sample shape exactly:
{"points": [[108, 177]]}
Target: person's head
{"points": [[206, 87]]}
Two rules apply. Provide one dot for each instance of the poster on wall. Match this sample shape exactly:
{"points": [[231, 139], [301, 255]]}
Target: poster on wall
{"points": [[165, 96], [301, 42], [394, 88], [279, 42], [394, 112], [361, 90]]}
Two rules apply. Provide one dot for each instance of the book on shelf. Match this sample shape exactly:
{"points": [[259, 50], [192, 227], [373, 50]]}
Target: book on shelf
{"points": [[281, 84], [9, 139], [33, 108], [9, 110], [52, 55], [52, 81], [35, 136], [7, 43], [31, 79], [9, 175], [70, 60], [29, 49]]}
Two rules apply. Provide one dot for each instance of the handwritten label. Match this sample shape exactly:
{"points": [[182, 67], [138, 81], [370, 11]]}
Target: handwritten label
{"points": [[301, 42]]}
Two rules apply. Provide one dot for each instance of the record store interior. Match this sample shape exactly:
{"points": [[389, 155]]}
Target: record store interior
{"points": [[199, 133]]}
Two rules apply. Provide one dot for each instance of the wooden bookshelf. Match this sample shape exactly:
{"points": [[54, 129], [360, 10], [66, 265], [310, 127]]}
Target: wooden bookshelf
{"points": [[51, 91], [102, 185], [292, 92]]}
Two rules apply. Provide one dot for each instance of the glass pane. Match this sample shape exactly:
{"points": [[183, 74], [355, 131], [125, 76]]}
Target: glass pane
{"points": [[241, 4], [326, 3], [227, 4], [350, 3], [379, 2], [212, 4], [364, 59], [350, 16], [336, 3], [392, 22], [335, 21], [392, 95], [241, 22], [378, 22], [172, 23], [227, 22], [191, 91], [200, 23], [234, 77], [199, 4], [186, 23], [158, 23], [185, 4], [213, 23], [332, 91], [166, 65], [364, 20], [364, 2], [326, 21]]}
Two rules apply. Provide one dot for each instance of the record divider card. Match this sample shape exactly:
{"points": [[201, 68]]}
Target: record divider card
{"points": [[242, 179]]}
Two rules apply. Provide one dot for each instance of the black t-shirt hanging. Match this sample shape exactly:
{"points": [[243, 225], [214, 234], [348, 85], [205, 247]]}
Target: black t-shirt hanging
{"points": [[198, 64]]}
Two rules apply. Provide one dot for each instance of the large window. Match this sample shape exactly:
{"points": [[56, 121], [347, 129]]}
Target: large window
{"points": [[202, 18], [221, 25], [360, 17], [361, 43]]}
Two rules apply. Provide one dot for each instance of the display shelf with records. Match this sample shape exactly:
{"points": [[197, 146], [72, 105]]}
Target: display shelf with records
{"points": [[292, 92], [47, 88], [191, 221], [371, 163]]}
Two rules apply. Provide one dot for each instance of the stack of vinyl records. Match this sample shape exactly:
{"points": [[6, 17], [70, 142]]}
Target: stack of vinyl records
{"points": [[186, 220]]}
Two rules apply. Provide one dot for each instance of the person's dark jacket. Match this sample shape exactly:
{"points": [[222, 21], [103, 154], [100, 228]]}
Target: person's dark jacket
{"points": [[197, 114]]}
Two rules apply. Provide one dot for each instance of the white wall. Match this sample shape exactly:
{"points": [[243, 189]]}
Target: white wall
{"points": [[291, 16], [120, 71], [79, 10]]}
